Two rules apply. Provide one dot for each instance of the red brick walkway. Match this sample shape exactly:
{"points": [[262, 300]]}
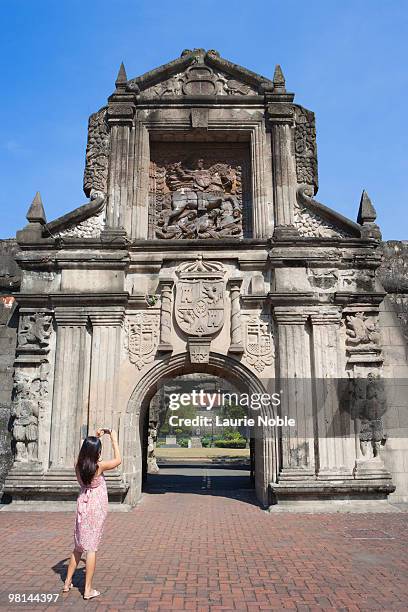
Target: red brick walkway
{"points": [[208, 552]]}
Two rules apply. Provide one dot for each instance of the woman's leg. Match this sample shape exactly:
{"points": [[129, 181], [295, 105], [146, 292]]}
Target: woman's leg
{"points": [[90, 569], [73, 562]]}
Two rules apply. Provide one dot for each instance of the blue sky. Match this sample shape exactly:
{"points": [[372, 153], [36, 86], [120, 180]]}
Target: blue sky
{"points": [[346, 60]]}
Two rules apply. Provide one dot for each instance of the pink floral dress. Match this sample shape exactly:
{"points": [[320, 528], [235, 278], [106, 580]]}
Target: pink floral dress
{"points": [[92, 508]]}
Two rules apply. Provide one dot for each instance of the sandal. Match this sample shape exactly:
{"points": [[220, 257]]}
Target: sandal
{"points": [[67, 588], [93, 594]]}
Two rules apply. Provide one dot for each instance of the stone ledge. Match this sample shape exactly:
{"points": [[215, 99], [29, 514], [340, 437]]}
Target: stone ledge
{"points": [[318, 491]]}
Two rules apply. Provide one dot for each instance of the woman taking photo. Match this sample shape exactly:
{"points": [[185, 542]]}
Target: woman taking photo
{"points": [[92, 506]]}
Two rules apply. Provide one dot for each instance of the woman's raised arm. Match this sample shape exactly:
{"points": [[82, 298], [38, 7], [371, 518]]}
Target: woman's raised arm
{"points": [[117, 460]]}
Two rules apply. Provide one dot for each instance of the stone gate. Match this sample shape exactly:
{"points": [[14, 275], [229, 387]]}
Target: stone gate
{"points": [[203, 249]]}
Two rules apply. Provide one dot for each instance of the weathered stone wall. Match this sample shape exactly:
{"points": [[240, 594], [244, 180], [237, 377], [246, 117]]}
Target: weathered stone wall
{"points": [[9, 284], [394, 330], [394, 277]]}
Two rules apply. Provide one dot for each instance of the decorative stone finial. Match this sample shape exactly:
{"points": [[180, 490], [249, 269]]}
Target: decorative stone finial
{"points": [[36, 212], [121, 79], [279, 80], [366, 212]]}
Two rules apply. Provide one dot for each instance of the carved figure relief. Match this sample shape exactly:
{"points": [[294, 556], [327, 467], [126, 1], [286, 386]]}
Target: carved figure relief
{"points": [[97, 153], [368, 404], [198, 80], [199, 195], [29, 396], [35, 331], [152, 466], [200, 298], [142, 337], [362, 330], [258, 340]]}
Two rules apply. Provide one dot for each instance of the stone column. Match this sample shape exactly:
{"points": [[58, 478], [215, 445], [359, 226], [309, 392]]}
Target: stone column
{"points": [[236, 345], [105, 363], [71, 386], [284, 168], [298, 453], [165, 315], [335, 439]]}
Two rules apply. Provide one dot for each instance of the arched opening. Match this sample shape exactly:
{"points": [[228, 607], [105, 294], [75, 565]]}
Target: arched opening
{"points": [[196, 438], [220, 366]]}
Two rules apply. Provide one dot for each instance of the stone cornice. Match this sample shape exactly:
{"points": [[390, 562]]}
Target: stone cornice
{"points": [[350, 297], [288, 298], [285, 316], [43, 302]]}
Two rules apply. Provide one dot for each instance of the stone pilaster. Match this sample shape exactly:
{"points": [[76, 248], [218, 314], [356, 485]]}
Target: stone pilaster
{"points": [[236, 345], [120, 118], [298, 452], [165, 344], [139, 204], [71, 386], [105, 363], [335, 437], [284, 168]]}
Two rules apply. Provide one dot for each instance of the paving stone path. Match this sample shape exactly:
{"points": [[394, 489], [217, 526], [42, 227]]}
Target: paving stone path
{"points": [[213, 550]]}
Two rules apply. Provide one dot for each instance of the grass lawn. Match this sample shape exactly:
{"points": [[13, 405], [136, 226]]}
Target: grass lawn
{"points": [[198, 453]]}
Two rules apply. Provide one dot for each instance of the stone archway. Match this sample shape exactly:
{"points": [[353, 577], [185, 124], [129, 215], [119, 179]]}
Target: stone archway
{"points": [[219, 365]]}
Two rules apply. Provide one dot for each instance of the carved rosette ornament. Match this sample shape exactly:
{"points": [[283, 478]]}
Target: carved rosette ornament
{"points": [[200, 304], [259, 345], [142, 337]]}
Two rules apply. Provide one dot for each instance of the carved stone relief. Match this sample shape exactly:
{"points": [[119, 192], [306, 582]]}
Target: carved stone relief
{"points": [[323, 278], [198, 80], [258, 341], [367, 403], [97, 153], [200, 297], [30, 394], [89, 228], [35, 331], [305, 148], [357, 280], [198, 194], [312, 226], [362, 330], [142, 337]]}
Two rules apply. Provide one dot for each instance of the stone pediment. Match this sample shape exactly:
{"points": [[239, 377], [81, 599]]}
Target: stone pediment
{"points": [[199, 73]]}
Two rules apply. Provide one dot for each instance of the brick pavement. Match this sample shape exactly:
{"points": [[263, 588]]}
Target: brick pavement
{"points": [[206, 552]]}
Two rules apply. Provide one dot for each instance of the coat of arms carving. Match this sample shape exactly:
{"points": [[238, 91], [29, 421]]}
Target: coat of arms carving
{"points": [[200, 298], [142, 337], [259, 347]]}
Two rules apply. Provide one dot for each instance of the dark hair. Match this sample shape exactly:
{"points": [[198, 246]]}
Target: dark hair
{"points": [[87, 463]]}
